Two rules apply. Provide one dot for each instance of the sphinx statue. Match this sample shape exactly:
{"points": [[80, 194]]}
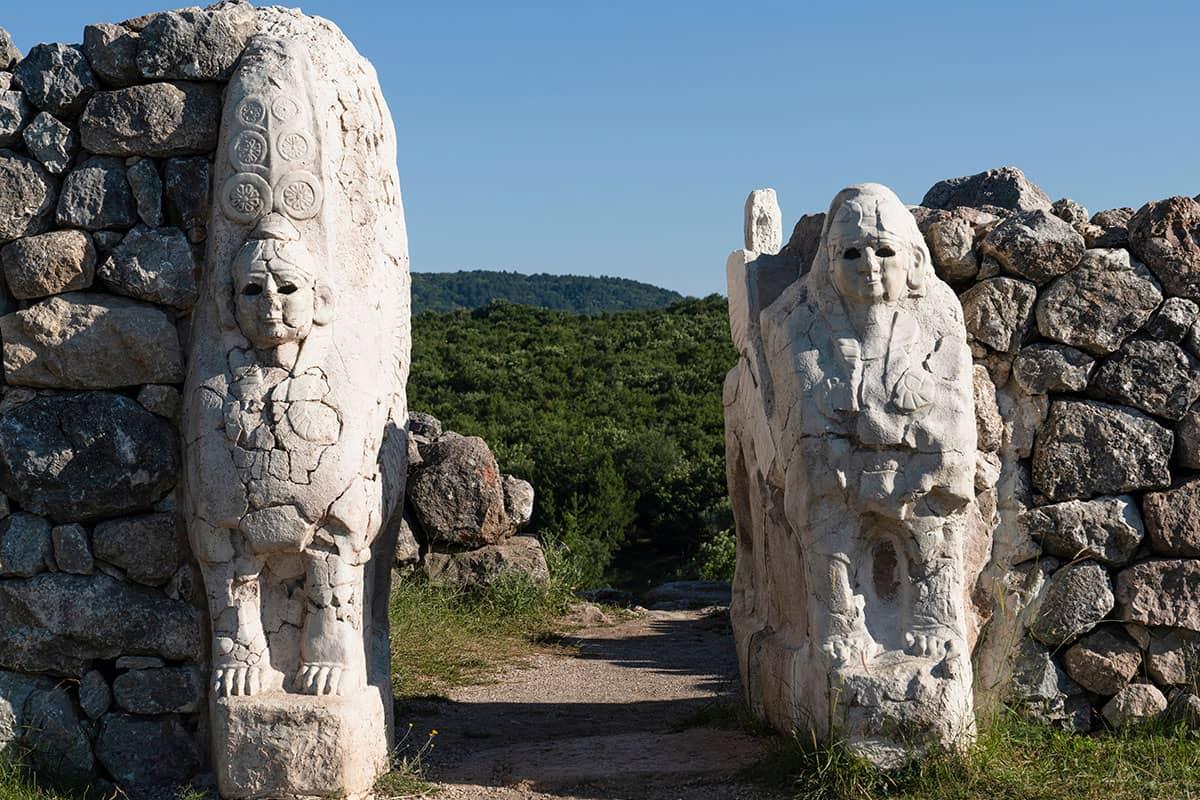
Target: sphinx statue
{"points": [[851, 442], [295, 416]]}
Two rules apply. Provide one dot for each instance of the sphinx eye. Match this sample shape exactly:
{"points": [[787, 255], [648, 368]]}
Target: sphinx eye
{"points": [[252, 289], [851, 254], [287, 288], [885, 252]]}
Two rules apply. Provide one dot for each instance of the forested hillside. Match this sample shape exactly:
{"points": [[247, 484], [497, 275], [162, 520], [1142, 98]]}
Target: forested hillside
{"points": [[616, 420], [450, 291]]}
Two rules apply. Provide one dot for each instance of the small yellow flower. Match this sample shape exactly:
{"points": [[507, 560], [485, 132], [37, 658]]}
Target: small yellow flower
{"points": [[433, 732]]}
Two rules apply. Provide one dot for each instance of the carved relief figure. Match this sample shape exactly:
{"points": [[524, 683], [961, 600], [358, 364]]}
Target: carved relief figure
{"points": [[851, 433], [295, 445]]}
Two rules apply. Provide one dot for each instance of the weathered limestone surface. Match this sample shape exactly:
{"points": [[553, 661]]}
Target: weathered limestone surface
{"points": [[764, 222], [1166, 236], [294, 410], [90, 341], [851, 442], [1006, 187]]}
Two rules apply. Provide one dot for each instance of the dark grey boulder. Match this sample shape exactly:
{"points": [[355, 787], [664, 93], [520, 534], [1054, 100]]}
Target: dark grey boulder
{"points": [[149, 548], [998, 313], [59, 748], [157, 120], [94, 695], [58, 624], [1107, 529], [1096, 306], [15, 114], [147, 188], [1006, 187], [1173, 320], [1165, 234], [519, 556], [51, 142], [27, 197], [195, 45], [57, 78], [1110, 228], [148, 757], [26, 548], [186, 191], [96, 195], [72, 549], [1153, 376], [166, 690], [1088, 448], [86, 456], [1035, 245], [112, 52], [154, 264], [1076, 598], [457, 494], [1042, 368]]}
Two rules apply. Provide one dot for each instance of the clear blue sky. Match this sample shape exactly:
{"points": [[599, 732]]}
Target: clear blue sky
{"points": [[621, 138]]}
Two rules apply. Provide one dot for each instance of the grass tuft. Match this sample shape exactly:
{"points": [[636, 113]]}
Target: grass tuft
{"points": [[1012, 759], [18, 783]]}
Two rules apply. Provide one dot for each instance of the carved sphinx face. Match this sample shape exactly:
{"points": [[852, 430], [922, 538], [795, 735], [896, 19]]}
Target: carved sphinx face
{"points": [[276, 297], [870, 262]]}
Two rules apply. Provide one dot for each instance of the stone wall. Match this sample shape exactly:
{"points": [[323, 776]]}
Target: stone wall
{"points": [[1086, 336], [107, 150]]}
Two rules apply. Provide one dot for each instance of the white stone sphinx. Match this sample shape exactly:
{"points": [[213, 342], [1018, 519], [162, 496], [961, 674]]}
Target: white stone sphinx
{"points": [[295, 415], [850, 438]]}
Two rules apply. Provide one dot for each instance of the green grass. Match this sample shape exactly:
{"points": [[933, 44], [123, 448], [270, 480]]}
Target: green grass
{"points": [[1012, 759], [17, 783], [444, 637]]}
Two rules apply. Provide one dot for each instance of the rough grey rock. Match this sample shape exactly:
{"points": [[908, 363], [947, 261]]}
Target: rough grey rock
{"points": [[14, 116], [1087, 449], [1173, 658], [96, 195], [153, 264], [58, 624], [1035, 245], [94, 695], [951, 241], [86, 456], [9, 54], [1006, 187], [989, 425], [157, 119], [1107, 529], [518, 501], [90, 341], [56, 78], [144, 754], [72, 550], [1183, 708], [1162, 592], [50, 263], [422, 424], [1103, 662], [147, 191], [139, 662], [1187, 439], [107, 241], [15, 691], [112, 52], [59, 747], [1098, 304], [186, 191], [6, 79], [408, 549], [1070, 212], [1155, 377], [1077, 597], [26, 548], [161, 400], [169, 690], [1166, 235], [520, 555], [1137, 702], [1111, 228], [999, 313], [457, 494], [1042, 368], [27, 197], [1043, 690], [1173, 320], [148, 548], [51, 142], [195, 45], [1173, 519], [675, 595], [801, 247]]}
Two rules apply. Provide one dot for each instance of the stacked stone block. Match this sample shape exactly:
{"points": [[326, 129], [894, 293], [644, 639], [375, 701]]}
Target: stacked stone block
{"points": [[105, 153], [1087, 331]]}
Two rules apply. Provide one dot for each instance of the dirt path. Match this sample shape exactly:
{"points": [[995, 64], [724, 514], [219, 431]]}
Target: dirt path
{"points": [[607, 720]]}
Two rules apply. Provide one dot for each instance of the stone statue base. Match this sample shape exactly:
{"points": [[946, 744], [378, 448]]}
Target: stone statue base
{"points": [[280, 745]]}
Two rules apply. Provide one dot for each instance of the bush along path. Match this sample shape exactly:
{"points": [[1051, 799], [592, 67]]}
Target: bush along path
{"points": [[618, 711]]}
